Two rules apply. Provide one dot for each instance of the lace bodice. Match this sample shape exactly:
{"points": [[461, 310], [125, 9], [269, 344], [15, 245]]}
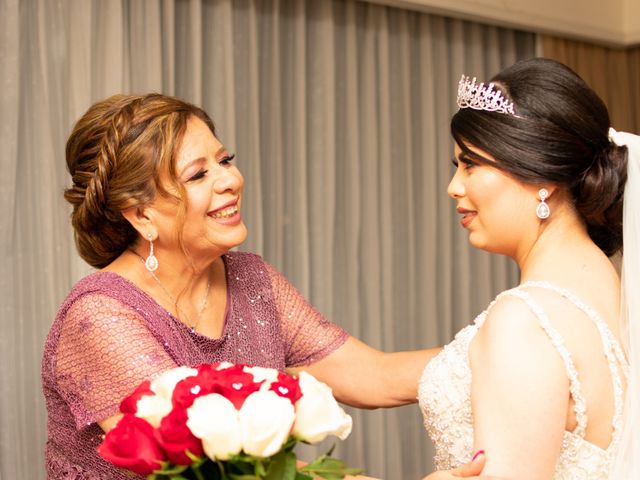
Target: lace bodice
{"points": [[444, 395]]}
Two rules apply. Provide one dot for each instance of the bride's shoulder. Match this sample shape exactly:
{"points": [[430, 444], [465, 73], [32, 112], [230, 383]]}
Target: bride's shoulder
{"points": [[510, 309], [513, 344], [512, 326]]}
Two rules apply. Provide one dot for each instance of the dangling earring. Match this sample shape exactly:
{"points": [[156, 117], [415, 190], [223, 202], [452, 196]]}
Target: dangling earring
{"points": [[151, 263], [543, 211]]}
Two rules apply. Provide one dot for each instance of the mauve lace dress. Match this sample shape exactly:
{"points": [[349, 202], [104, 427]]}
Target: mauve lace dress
{"points": [[109, 336]]}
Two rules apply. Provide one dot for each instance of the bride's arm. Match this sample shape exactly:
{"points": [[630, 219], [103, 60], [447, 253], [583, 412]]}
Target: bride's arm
{"points": [[519, 393]]}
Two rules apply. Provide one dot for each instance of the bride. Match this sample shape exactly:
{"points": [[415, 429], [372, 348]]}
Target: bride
{"points": [[541, 380]]}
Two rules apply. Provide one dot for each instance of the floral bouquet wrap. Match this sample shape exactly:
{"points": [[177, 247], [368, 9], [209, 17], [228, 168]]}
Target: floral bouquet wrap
{"points": [[227, 422]]}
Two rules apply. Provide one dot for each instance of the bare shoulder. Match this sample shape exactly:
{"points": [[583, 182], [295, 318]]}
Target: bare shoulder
{"points": [[512, 336], [508, 317]]}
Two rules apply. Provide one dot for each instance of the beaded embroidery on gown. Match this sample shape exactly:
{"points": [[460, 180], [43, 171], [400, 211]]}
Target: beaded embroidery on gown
{"points": [[444, 395]]}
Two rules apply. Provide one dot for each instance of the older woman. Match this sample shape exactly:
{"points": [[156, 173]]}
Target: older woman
{"points": [[157, 205]]}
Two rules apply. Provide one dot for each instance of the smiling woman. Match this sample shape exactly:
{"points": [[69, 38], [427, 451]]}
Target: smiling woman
{"points": [[157, 207]]}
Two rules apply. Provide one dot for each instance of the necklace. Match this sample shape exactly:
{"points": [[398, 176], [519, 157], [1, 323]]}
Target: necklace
{"points": [[192, 326]]}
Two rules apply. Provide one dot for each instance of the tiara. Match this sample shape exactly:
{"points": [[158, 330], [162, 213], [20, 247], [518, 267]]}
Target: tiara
{"points": [[482, 97]]}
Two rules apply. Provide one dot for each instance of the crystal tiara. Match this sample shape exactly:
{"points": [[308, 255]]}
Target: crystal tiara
{"points": [[482, 97]]}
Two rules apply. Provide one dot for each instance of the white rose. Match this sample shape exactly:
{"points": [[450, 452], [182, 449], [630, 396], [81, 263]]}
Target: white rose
{"points": [[268, 375], [214, 420], [265, 421], [318, 414], [164, 384], [153, 408]]}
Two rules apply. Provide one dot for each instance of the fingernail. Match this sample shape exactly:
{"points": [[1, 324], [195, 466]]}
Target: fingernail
{"points": [[478, 453]]}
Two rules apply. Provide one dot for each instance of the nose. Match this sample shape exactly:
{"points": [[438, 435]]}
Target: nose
{"points": [[229, 180], [455, 189]]}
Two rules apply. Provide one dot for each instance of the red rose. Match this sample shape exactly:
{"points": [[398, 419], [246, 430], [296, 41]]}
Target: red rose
{"points": [[131, 445], [175, 437], [130, 404], [288, 387], [190, 388], [233, 383], [236, 385]]}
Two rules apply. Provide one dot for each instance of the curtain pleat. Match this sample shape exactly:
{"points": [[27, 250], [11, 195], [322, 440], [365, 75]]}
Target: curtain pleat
{"points": [[338, 112]]}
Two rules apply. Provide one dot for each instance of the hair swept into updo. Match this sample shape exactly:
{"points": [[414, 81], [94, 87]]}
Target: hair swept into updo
{"points": [[560, 136], [116, 154]]}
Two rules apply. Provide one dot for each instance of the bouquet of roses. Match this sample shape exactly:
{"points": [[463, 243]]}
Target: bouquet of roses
{"points": [[227, 422]]}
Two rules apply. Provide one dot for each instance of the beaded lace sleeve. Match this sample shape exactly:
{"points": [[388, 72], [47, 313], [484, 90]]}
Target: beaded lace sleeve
{"points": [[105, 350], [308, 335]]}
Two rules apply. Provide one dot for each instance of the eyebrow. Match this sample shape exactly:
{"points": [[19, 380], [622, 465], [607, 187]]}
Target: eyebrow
{"points": [[192, 162], [222, 150]]}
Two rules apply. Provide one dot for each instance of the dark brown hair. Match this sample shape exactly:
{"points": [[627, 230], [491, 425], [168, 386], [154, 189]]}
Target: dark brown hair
{"points": [[560, 136], [117, 154]]}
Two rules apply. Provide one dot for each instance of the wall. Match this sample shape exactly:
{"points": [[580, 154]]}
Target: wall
{"points": [[612, 23], [632, 21]]}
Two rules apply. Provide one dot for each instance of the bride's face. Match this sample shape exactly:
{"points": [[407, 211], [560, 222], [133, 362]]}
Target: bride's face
{"points": [[497, 210]]}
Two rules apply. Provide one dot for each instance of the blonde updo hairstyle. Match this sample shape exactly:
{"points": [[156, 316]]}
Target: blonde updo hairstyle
{"points": [[117, 154]]}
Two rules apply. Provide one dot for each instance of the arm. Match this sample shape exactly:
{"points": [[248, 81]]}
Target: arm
{"points": [[519, 393], [364, 377], [105, 351], [359, 375]]}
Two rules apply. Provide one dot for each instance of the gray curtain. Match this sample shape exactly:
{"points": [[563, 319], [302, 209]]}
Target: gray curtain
{"points": [[338, 111]]}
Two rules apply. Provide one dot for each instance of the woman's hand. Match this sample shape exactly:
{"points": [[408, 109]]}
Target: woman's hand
{"points": [[473, 469], [469, 470]]}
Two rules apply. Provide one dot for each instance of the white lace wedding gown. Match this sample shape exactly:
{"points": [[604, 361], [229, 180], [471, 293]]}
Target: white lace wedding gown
{"points": [[444, 395]]}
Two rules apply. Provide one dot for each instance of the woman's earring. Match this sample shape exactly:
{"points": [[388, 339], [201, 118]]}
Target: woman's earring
{"points": [[543, 211], [151, 263]]}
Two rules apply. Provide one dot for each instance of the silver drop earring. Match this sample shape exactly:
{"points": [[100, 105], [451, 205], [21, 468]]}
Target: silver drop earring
{"points": [[151, 263], [543, 211]]}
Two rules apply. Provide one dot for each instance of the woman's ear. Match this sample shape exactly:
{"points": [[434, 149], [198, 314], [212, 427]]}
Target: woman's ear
{"points": [[141, 219]]}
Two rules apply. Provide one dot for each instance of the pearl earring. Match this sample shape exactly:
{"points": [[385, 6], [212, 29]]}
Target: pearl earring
{"points": [[543, 211], [151, 263]]}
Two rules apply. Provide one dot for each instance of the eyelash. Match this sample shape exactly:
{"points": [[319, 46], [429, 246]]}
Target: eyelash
{"points": [[465, 161], [201, 174], [227, 159], [198, 175]]}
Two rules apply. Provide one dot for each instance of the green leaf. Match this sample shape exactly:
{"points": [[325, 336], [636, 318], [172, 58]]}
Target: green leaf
{"points": [[173, 470], [303, 476], [329, 468], [260, 469], [282, 467]]}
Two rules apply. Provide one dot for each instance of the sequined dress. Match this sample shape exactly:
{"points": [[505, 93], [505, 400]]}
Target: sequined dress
{"points": [[444, 395], [109, 336]]}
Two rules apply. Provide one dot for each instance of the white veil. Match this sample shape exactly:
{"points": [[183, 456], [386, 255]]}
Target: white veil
{"points": [[627, 461]]}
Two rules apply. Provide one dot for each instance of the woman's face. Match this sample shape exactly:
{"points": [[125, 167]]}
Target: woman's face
{"points": [[497, 210], [213, 185]]}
